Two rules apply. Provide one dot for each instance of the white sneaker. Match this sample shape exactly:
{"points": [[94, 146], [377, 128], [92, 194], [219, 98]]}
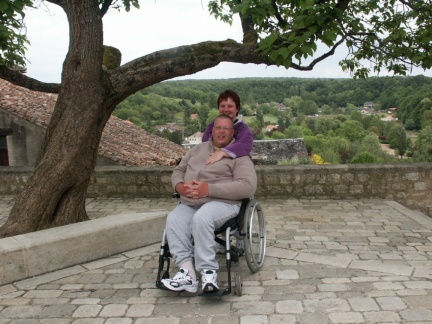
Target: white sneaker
{"points": [[209, 281], [181, 282]]}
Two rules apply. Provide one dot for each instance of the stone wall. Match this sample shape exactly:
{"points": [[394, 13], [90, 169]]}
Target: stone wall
{"points": [[409, 184], [271, 151]]}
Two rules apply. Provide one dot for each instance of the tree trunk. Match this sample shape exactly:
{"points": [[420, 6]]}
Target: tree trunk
{"points": [[55, 193]]}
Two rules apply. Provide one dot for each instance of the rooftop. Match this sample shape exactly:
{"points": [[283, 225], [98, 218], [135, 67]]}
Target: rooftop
{"points": [[122, 141]]}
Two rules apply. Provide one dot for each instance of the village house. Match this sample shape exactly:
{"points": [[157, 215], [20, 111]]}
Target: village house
{"points": [[271, 128], [25, 115], [192, 140], [171, 127]]}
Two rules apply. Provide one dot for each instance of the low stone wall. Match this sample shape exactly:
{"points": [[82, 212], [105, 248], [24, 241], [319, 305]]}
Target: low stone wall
{"points": [[409, 184], [272, 151]]}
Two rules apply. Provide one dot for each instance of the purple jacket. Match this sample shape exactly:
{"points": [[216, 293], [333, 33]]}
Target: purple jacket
{"points": [[243, 140]]}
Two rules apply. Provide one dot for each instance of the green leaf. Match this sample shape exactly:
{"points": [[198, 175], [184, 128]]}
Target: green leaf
{"points": [[3, 6], [284, 52], [273, 55]]}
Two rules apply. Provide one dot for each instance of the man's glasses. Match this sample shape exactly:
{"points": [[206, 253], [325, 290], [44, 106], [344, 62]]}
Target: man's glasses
{"points": [[225, 129]]}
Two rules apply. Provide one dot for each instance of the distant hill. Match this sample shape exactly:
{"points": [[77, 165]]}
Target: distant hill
{"points": [[161, 102]]}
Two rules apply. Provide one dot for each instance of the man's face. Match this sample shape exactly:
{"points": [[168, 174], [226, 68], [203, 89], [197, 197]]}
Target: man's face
{"points": [[223, 132]]}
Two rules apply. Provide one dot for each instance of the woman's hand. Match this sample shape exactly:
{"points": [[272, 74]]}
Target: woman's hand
{"points": [[216, 156]]}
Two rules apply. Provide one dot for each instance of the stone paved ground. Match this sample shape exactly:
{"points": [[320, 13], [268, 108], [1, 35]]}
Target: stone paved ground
{"points": [[327, 262]]}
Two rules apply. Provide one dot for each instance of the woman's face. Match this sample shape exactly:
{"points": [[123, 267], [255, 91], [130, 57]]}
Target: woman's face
{"points": [[228, 107]]}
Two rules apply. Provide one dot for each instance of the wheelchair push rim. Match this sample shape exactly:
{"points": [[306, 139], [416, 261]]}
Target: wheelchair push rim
{"points": [[255, 236]]}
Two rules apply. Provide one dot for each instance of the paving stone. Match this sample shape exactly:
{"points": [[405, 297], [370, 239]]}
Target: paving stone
{"points": [[289, 307], [253, 308], [391, 303], [22, 311], [87, 311], [15, 301], [345, 318], [52, 276], [51, 301], [158, 320], [254, 319], [140, 310], [118, 321], [327, 262], [333, 287], [58, 311], [417, 315], [314, 318], [282, 319], [326, 305], [363, 304], [6, 289], [43, 293], [287, 274], [382, 317], [176, 310], [224, 320], [421, 284], [55, 321], [86, 301], [209, 308]]}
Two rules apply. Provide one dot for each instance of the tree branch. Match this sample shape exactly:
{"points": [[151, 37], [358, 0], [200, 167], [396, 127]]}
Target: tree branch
{"points": [[105, 6], [249, 33], [343, 4], [282, 22], [22, 80], [179, 61], [408, 4], [318, 59]]}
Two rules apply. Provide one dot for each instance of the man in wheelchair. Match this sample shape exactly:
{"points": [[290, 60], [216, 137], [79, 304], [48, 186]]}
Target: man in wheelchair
{"points": [[210, 195]]}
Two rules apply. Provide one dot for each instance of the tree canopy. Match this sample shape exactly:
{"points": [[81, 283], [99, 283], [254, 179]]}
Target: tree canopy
{"points": [[392, 34]]}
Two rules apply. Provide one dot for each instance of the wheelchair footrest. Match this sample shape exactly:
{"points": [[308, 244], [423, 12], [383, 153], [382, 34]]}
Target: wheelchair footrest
{"points": [[219, 293]]}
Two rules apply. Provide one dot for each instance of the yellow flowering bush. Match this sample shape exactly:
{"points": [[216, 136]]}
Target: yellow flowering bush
{"points": [[316, 159]]}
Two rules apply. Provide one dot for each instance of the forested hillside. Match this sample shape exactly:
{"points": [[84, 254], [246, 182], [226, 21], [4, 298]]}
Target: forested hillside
{"points": [[336, 129]]}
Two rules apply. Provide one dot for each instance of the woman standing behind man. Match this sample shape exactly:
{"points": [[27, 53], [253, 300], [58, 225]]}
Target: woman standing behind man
{"points": [[229, 104]]}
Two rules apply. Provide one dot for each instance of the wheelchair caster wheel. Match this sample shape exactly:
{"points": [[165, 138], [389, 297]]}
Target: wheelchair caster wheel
{"points": [[238, 284]]}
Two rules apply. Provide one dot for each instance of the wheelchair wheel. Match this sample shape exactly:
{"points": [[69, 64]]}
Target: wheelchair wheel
{"points": [[255, 235]]}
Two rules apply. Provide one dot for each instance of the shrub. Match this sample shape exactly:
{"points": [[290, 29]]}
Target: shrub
{"points": [[363, 157]]}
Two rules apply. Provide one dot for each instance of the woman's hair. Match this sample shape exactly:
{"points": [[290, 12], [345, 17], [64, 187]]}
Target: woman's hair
{"points": [[230, 94]]}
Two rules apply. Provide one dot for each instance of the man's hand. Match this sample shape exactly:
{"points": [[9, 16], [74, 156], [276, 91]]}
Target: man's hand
{"points": [[196, 189]]}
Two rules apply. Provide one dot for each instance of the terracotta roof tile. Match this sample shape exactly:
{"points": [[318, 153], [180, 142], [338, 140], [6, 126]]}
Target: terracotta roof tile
{"points": [[121, 141]]}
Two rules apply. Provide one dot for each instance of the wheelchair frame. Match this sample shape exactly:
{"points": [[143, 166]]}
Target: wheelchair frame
{"points": [[249, 224]]}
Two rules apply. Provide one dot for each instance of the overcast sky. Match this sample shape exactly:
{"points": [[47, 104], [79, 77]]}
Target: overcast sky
{"points": [[157, 25]]}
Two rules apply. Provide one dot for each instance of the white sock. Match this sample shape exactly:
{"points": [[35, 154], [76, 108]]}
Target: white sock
{"points": [[188, 265]]}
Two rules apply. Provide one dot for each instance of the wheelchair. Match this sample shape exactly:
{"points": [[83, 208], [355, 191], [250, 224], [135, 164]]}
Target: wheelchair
{"points": [[248, 225]]}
